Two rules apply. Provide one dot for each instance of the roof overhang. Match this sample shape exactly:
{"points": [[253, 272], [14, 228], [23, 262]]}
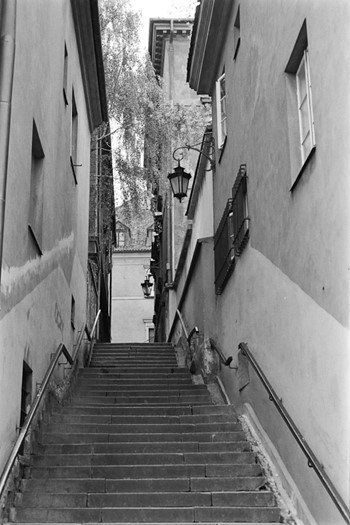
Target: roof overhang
{"points": [[161, 29], [208, 36], [87, 29]]}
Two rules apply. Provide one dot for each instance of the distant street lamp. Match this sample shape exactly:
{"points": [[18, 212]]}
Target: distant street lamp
{"points": [[146, 287]]}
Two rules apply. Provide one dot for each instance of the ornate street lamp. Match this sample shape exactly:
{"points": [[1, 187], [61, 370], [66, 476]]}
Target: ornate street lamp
{"points": [[146, 287], [179, 179]]}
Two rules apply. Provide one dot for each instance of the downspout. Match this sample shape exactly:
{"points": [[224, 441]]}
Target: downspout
{"points": [[8, 10]]}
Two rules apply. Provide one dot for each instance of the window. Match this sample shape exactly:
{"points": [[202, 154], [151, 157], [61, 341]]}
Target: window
{"points": [[232, 235], [74, 137], [223, 249], [301, 128], [306, 119], [120, 240], [240, 219], [149, 236], [237, 34], [65, 75], [35, 219], [221, 110]]}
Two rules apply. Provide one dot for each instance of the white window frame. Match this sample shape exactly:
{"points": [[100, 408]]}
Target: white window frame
{"points": [[221, 116], [305, 132]]}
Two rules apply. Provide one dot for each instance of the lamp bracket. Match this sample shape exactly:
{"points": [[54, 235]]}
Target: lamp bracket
{"points": [[180, 155]]}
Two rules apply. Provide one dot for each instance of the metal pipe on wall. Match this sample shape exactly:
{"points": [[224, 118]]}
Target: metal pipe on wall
{"points": [[8, 9]]}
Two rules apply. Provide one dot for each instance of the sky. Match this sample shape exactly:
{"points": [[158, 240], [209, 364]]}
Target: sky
{"points": [[161, 8]]}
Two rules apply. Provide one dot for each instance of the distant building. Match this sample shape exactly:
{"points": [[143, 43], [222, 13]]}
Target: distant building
{"points": [[132, 312], [169, 44], [52, 99]]}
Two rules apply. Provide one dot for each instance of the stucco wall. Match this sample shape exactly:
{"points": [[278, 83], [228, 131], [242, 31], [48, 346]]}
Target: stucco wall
{"points": [[305, 231], [288, 297], [37, 289], [131, 312]]}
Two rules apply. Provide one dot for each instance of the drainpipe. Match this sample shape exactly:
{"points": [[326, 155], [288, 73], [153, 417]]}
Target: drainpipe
{"points": [[8, 10]]}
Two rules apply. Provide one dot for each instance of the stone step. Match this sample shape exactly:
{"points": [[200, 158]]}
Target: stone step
{"points": [[146, 471], [139, 372], [140, 523], [143, 391], [140, 447], [84, 437], [146, 499], [167, 428], [151, 458], [134, 358], [141, 419], [202, 399], [106, 380], [147, 515], [143, 485], [147, 410], [144, 387]]}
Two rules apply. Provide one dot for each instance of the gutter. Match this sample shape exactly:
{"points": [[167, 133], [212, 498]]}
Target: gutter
{"points": [[7, 62]]}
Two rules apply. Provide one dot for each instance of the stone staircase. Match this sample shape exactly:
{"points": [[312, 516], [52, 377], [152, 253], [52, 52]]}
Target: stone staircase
{"points": [[140, 443]]}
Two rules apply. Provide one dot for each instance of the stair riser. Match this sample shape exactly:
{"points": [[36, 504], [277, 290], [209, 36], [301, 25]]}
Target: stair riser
{"points": [[140, 420], [149, 499], [116, 389], [139, 371], [146, 410], [147, 448], [143, 485], [144, 459], [144, 392], [153, 515], [146, 471], [160, 401], [202, 437], [155, 429]]}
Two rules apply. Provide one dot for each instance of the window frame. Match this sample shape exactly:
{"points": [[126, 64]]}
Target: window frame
{"points": [[306, 100], [221, 114]]}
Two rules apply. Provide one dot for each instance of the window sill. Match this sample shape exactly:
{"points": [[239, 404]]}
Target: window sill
{"points": [[302, 169]]}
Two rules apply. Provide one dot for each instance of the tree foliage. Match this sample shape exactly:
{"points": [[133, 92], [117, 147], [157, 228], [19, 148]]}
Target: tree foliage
{"points": [[145, 125]]}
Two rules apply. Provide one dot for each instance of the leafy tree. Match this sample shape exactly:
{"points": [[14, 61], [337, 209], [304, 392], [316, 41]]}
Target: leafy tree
{"points": [[142, 121]]}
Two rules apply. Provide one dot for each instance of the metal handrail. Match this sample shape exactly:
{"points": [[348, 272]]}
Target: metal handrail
{"points": [[91, 338], [313, 462], [84, 329], [192, 332], [24, 430], [39, 395], [226, 361]]}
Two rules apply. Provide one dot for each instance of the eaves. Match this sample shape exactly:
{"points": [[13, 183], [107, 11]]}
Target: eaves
{"points": [[208, 38], [87, 30]]}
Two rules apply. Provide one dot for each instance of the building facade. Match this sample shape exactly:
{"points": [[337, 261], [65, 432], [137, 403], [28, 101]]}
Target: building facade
{"points": [[132, 311], [267, 262], [169, 42], [52, 98]]}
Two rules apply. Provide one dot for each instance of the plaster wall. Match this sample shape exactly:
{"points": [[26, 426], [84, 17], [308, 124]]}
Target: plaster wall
{"points": [[37, 289], [303, 351], [288, 295], [131, 312], [303, 231]]}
